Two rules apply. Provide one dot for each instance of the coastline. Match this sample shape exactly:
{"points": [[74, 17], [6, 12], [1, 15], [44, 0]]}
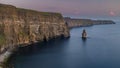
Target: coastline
{"points": [[21, 27], [76, 22], [20, 33], [4, 58]]}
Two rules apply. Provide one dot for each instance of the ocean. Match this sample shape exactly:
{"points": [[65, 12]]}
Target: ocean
{"points": [[101, 49]]}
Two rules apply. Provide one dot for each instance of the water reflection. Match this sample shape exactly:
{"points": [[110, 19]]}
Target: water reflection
{"points": [[84, 40]]}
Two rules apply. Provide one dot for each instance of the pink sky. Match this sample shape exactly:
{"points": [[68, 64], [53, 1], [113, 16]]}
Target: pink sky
{"points": [[73, 8]]}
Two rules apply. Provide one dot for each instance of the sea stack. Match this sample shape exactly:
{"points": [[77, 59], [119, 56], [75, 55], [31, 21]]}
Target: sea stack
{"points": [[84, 34]]}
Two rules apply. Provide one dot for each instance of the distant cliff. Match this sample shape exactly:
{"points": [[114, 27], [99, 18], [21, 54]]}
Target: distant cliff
{"points": [[71, 22], [77, 22], [22, 26], [97, 22]]}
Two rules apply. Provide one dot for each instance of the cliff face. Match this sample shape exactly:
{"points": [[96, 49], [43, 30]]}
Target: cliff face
{"points": [[21, 26], [78, 22], [85, 22]]}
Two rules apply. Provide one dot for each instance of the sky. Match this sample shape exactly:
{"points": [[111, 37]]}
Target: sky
{"points": [[73, 8]]}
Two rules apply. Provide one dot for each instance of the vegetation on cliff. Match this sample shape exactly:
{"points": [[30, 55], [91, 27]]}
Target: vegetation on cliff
{"points": [[2, 37]]}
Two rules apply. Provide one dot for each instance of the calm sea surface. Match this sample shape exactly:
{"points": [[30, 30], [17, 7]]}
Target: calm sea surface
{"points": [[100, 50]]}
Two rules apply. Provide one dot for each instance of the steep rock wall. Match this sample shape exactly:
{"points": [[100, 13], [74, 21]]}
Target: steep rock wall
{"points": [[21, 26], [77, 22]]}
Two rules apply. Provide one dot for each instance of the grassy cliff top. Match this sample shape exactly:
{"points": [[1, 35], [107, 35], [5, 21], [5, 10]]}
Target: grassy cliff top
{"points": [[10, 9], [29, 11]]}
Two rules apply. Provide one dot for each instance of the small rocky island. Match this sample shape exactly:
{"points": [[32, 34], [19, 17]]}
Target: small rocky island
{"points": [[73, 22], [84, 34]]}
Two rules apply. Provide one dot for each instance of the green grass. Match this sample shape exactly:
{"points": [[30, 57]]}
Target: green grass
{"points": [[22, 33], [4, 8], [38, 12], [2, 39]]}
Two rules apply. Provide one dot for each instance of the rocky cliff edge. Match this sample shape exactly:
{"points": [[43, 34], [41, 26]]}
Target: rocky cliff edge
{"points": [[23, 26]]}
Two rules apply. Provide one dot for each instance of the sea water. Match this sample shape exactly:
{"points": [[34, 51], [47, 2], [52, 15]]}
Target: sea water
{"points": [[101, 49]]}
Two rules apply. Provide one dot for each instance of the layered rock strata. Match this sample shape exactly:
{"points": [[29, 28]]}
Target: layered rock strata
{"points": [[22, 26]]}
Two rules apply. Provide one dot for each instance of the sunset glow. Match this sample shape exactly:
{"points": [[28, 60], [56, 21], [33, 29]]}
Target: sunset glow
{"points": [[112, 13], [75, 8]]}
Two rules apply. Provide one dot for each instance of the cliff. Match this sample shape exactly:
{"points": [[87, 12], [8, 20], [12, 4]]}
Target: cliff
{"points": [[22, 26], [72, 22], [97, 22], [77, 22]]}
